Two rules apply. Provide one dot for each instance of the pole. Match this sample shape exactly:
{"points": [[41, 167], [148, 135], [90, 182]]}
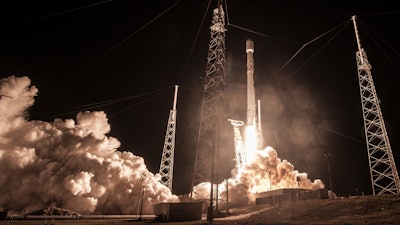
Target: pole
{"points": [[270, 182], [227, 197], [175, 97], [328, 155], [210, 211], [356, 31], [217, 197], [141, 203], [237, 192], [298, 182], [141, 196]]}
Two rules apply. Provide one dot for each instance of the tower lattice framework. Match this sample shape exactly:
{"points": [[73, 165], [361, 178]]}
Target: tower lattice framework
{"points": [[167, 158], [383, 171], [213, 103]]}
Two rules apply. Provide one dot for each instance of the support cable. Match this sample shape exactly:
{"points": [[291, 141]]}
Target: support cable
{"points": [[139, 103], [368, 30], [341, 134], [94, 105], [248, 30], [198, 31], [117, 100], [381, 13], [226, 11], [124, 40], [306, 44], [312, 56], [99, 104], [59, 13], [258, 33]]}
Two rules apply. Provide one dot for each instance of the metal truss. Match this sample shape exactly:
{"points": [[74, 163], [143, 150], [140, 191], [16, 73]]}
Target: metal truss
{"points": [[384, 175], [213, 103], [167, 159]]}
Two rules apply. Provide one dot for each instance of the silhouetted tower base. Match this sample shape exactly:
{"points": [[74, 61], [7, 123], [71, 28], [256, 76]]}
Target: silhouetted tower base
{"points": [[384, 176]]}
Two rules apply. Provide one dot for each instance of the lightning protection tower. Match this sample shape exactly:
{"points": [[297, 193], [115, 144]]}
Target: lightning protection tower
{"points": [[213, 102], [384, 176], [167, 159]]}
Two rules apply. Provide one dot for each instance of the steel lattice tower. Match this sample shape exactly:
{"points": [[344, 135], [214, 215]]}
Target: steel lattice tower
{"points": [[167, 159], [213, 102], [384, 176]]}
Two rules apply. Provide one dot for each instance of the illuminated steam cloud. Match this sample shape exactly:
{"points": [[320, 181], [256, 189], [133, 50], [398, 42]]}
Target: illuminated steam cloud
{"points": [[266, 172], [67, 163]]}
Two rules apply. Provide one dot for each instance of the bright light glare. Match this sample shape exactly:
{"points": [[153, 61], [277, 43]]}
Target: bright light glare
{"points": [[251, 143]]}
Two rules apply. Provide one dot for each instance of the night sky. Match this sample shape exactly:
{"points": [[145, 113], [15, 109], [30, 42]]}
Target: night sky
{"points": [[83, 53]]}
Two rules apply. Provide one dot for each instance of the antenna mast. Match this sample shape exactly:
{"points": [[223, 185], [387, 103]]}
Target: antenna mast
{"points": [[384, 176], [213, 101], [167, 159]]}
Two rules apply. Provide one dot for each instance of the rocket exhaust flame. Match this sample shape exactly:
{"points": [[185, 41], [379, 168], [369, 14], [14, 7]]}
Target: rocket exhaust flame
{"points": [[67, 163], [251, 143], [266, 172]]}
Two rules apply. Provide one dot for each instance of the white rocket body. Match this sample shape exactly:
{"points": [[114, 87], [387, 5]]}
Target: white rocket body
{"points": [[251, 130], [251, 99]]}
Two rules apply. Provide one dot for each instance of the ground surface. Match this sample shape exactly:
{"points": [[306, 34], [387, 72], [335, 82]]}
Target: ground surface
{"points": [[366, 210]]}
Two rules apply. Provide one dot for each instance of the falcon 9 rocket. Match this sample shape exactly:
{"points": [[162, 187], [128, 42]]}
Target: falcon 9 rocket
{"points": [[251, 132], [251, 99]]}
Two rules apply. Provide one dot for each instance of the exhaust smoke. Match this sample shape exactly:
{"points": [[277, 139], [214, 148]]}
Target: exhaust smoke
{"points": [[68, 163]]}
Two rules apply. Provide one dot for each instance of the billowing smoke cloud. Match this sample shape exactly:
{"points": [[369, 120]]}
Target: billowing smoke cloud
{"points": [[266, 172], [67, 163]]}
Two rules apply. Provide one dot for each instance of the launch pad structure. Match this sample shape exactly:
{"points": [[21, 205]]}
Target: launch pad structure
{"points": [[383, 171]]}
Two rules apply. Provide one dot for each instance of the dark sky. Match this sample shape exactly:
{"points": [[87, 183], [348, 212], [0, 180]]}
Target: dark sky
{"points": [[78, 55]]}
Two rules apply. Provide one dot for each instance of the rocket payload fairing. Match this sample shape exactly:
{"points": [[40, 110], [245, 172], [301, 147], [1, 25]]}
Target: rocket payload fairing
{"points": [[251, 99]]}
